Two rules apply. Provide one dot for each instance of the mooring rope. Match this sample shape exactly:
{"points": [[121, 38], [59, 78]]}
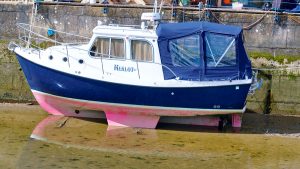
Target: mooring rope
{"points": [[256, 22], [245, 27], [215, 17]]}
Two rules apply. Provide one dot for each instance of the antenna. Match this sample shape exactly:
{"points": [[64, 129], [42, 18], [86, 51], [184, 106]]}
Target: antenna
{"points": [[150, 18], [33, 16], [155, 6]]}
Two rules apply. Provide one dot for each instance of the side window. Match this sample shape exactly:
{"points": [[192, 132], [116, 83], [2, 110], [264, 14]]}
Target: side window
{"points": [[108, 48], [185, 51], [117, 48], [100, 48], [220, 50], [141, 51]]}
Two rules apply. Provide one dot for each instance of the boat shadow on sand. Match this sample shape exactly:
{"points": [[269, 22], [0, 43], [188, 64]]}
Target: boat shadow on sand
{"points": [[62, 141], [252, 123]]}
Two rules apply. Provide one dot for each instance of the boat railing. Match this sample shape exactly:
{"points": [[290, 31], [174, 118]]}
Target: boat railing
{"points": [[36, 38], [41, 38], [123, 25], [52, 35], [136, 62]]}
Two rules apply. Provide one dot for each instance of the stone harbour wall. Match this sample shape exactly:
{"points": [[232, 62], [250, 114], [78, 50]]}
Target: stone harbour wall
{"points": [[274, 33], [265, 32]]}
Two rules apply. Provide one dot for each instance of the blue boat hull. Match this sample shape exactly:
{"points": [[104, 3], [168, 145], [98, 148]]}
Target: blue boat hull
{"points": [[65, 85]]}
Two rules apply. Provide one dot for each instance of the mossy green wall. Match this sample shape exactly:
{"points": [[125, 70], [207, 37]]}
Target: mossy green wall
{"points": [[284, 95], [13, 86]]}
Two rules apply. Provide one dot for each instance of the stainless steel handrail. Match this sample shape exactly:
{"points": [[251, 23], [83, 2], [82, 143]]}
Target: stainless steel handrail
{"points": [[68, 46], [71, 46]]}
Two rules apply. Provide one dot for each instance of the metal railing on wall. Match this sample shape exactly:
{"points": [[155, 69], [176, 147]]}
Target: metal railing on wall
{"points": [[275, 5], [17, 1]]}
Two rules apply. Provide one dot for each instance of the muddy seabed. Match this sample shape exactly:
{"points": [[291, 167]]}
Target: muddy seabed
{"points": [[264, 141]]}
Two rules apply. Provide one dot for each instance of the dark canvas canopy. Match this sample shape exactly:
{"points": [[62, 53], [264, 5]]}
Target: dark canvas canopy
{"points": [[202, 51]]}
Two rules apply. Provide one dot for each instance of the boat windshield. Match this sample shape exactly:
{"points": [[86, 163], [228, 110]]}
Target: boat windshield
{"points": [[220, 50], [202, 51], [185, 51]]}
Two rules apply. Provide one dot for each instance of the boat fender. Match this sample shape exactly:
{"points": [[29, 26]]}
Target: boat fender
{"points": [[50, 32]]}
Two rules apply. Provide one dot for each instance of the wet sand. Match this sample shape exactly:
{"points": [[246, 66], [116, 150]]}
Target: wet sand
{"points": [[16, 124], [264, 142]]}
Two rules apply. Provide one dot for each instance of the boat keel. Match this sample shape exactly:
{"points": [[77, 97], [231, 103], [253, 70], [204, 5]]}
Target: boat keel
{"points": [[131, 120], [236, 120]]}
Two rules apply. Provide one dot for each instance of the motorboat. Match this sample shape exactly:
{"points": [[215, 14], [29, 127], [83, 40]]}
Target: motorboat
{"points": [[137, 75]]}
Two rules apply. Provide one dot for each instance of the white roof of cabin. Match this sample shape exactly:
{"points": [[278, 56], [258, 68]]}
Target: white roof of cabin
{"points": [[114, 30]]}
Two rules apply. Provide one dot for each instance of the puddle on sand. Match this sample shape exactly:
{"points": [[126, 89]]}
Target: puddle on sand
{"points": [[88, 144]]}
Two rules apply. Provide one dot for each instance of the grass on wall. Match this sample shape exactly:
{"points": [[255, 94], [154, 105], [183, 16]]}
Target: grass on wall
{"points": [[278, 58]]}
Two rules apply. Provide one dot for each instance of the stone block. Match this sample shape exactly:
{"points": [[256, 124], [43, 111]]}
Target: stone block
{"points": [[285, 89], [87, 24], [293, 36], [266, 36]]}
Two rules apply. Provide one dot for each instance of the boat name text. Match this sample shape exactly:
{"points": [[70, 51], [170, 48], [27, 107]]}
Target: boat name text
{"points": [[124, 68]]}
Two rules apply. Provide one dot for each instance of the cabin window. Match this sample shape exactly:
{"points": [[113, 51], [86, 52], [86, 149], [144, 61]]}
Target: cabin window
{"points": [[185, 51], [117, 48], [108, 48], [220, 50], [141, 51]]}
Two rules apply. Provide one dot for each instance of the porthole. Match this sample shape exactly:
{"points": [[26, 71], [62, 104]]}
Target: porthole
{"points": [[65, 59], [50, 57], [80, 61]]}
